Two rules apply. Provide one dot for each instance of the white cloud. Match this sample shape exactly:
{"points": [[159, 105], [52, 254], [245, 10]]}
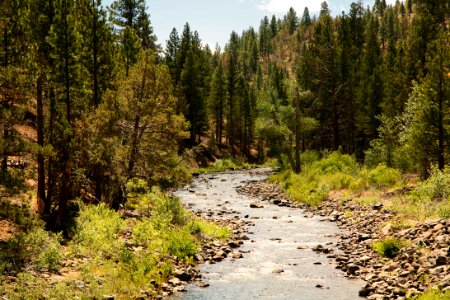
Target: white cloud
{"points": [[212, 46], [282, 6]]}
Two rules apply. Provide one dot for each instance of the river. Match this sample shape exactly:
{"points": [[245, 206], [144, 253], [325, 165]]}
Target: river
{"points": [[278, 262]]}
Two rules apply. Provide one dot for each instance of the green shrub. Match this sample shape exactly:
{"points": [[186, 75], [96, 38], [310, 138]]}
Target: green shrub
{"points": [[309, 156], [181, 244], [18, 214], [317, 179], [403, 160], [224, 164], [388, 247], [358, 185], [37, 248], [434, 294], [144, 233], [383, 176], [443, 210], [163, 208], [199, 226], [336, 161], [98, 229], [436, 187], [338, 180]]}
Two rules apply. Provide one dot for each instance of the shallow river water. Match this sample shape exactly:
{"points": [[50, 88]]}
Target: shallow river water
{"points": [[274, 239]]}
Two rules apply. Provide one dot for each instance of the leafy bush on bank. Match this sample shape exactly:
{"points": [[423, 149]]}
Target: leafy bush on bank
{"points": [[117, 255]]}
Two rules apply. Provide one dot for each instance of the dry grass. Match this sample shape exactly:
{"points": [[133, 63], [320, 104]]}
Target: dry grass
{"points": [[26, 131], [7, 229]]}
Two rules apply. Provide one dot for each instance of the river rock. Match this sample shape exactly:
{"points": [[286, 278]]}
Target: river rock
{"points": [[80, 284], [202, 284], [256, 205], [182, 275]]}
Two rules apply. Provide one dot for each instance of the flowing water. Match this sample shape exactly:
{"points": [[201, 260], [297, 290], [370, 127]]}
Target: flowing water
{"points": [[272, 266]]}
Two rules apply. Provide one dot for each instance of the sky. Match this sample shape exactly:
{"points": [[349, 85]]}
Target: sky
{"points": [[216, 19]]}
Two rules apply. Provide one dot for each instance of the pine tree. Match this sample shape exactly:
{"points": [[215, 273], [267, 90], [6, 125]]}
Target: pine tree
{"points": [[172, 48], [291, 21], [129, 48], [409, 6], [372, 89], [12, 69], [191, 87], [273, 27], [67, 78], [265, 41], [98, 54], [325, 80], [149, 128], [217, 100], [232, 80], [42, 64], [132, 14], [306, 18]]}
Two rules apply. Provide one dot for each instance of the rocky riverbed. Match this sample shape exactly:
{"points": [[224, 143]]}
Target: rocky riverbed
{"points": [[421, 264], [277, 252]]}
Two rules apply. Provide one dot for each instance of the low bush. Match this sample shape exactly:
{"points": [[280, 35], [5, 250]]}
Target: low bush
{"points": [[225, 164], [97, 233], [436, 187], [163, 208], [317, 179], [18, 214], [338, 162], [144, 233], [383, 177], [443, 210], [35, 248], [198, 227], [388, 247], [181, 244], [359, 185], [120, 256], [309, 156], [434, 294]]}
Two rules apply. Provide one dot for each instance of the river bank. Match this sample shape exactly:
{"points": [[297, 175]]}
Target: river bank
{"points": [[420, 264], [277, 257]]}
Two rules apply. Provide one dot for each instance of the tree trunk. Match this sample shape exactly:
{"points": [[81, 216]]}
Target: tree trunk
{"points": [[220, 132], [50, 179], [441, 149], [65, 189], [134, 148], [4, 164], [289, 154], [95, 54], [297, 135], [41, 199]]}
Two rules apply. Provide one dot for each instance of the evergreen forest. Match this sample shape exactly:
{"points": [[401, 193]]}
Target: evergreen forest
{"points": [[97, 116]]}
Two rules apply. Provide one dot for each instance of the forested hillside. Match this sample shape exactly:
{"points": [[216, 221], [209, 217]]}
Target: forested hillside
{"points": [[90, 100], [93, 108]]}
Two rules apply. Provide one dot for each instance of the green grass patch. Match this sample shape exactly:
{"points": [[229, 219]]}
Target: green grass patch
{"points": [[335, 171], [318, 178], [388, 247], [434, 295], [226, 164], [201, 227]]}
